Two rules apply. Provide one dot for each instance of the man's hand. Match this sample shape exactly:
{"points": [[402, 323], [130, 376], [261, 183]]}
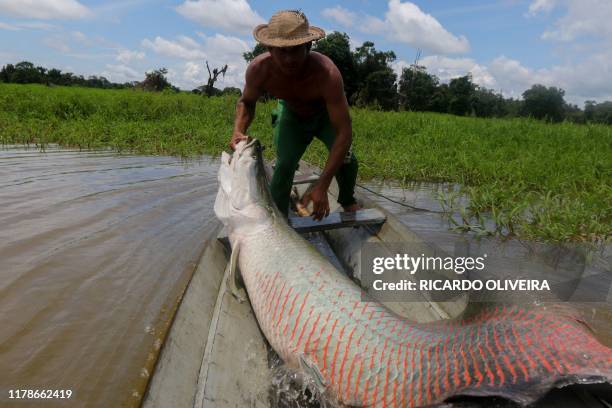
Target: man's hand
{"points": [[237, 137], [318, 196]]}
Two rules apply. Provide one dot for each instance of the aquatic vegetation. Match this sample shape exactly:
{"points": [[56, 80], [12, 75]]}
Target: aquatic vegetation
{"points": [[534, 180]]}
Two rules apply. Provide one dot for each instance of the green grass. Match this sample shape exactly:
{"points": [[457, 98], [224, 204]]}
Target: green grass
{"points": [[535, 180]]}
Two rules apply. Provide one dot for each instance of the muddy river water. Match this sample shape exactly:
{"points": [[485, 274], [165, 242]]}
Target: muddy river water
{"points": [[96, 250]]}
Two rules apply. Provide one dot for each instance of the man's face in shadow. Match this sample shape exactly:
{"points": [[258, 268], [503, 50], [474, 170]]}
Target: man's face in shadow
{"points": [[290, 60]]}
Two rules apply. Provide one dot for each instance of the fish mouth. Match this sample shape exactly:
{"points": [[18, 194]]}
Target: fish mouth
{"points": [[250, 144]]}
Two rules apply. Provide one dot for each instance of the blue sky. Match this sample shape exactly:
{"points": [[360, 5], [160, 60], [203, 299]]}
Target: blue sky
{"points": [[507, 45]]}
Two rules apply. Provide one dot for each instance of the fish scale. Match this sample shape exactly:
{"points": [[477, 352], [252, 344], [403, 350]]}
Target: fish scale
{"points": [[362, 353]]}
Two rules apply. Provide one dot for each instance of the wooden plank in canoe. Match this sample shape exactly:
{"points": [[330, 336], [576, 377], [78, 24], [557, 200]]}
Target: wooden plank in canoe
{"points": [[305, 179], [234, 371], [369, 216]]}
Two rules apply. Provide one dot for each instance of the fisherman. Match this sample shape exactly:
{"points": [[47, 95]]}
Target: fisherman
{"points": [[311, 103]]}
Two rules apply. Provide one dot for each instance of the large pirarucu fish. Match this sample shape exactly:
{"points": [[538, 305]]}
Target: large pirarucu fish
{"points": [[362, 353]]}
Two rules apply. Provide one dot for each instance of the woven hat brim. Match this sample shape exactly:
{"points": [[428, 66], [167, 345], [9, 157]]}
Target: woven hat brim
{"points": [[260, 34]]}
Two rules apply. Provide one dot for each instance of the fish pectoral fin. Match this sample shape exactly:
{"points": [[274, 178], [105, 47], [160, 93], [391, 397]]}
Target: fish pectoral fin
{"points": [[234, 279], [311, 369]]}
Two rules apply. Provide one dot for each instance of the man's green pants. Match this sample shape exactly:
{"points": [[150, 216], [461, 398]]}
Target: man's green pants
{"points": [[292, 135]]}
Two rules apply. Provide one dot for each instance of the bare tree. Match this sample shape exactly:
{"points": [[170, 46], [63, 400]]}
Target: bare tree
{"points": [[209, 88]]}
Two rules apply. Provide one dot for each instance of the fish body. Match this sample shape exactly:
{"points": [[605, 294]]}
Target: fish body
{"points": [[363, 354]]}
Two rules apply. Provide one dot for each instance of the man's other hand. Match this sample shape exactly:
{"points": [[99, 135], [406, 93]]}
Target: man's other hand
{"points": [[236, 138], [318, 196]]}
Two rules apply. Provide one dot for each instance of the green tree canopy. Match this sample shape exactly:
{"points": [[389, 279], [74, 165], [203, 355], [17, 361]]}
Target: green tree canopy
{"points": [[379, 90], [544, 103], [6, 74], [461, 95], [417, 88], [598, 112], [376, 80], [155, 80], [487, 103], [26, 73]]}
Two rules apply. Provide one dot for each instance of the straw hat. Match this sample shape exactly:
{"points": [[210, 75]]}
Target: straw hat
{"points": [[287, 28]]}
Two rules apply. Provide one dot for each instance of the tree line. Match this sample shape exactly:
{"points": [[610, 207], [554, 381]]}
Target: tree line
{"points": [[369, 81], [26, 72]]}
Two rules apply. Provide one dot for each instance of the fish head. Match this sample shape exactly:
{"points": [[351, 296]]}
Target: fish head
{"points": [[244, 200]]}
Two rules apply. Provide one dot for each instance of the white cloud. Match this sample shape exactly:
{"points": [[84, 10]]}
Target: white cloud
{"points": [[80, 37], [405, 23], [121, 73], [583, 18], [372, 25], [227, 50], [584, 32], [235, 16], [217, 49], [447, 68], [220, 47], [127, 56], [67, 41], [184, 47], [340, 15], [588, 79], [45, 9], [408, 24], [541, 5], [89, 55], [220, 50], [4, 26], [35, 25], [195, 74], [57, 43], [514, 78]]}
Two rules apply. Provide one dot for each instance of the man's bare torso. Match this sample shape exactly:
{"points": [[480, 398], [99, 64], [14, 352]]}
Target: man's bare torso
{"points": [[303, 94]]}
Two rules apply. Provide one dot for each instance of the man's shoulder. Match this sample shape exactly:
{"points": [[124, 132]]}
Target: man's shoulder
{"points": [[325, 66], [323, 61], [262, 58], [259, 67]]}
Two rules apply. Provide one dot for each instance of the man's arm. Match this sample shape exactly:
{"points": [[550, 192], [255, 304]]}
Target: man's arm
{"points": [[337, 108], [245, 108]]}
